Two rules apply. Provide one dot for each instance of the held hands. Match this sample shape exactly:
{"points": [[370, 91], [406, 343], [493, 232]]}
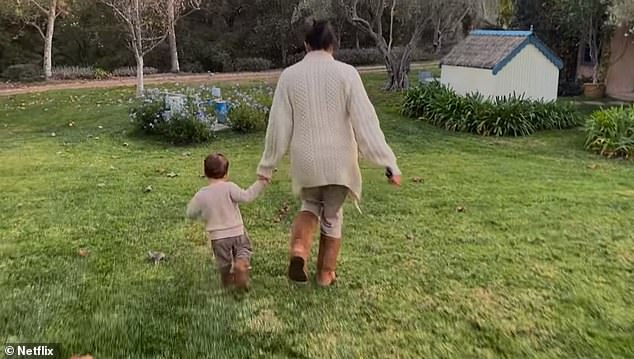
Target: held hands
{"points": [[395, 181], [392, 179], [264, 179]]}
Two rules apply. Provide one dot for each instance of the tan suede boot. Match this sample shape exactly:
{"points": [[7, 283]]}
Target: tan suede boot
{"points": [[327, 260], [241, 274], [304, 227]]}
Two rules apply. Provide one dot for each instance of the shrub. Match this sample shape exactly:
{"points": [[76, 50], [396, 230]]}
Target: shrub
{"points": [[73, 73], [610, 132], [101, 74], [501, 116], [250, 109], [193, 124], [359, 57], [23, 73], [130, 71], [194, 68], [253, 64]]}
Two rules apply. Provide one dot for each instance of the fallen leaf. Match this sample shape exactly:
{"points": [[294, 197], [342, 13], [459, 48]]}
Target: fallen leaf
{"points": [[96, 138], [114, 157], [89, 136], [417, 180], [187, 154], [461, 209], [58, 153], [593, 166], [148, 189], [282, 213], [125, 144], [172, 175], [161, 170], [203, 176], [101, 185], [83, 252], [112, 167], [411, 237]]}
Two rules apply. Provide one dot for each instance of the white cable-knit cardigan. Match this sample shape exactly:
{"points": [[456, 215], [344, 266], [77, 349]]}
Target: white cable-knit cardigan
{"points": [[322, 111]]}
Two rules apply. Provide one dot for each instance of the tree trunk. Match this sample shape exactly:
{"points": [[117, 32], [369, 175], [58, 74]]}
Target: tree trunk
{"points": [[175, 66], [140, 84], [48, 41], [397, 69]]}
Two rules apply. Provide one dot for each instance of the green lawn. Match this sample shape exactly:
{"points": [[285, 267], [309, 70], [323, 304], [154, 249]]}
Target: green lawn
{"points": [[541, 264]]}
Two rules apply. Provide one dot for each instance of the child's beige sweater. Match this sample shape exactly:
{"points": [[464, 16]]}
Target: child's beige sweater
{"points": [[322, 112], [217, 205]]}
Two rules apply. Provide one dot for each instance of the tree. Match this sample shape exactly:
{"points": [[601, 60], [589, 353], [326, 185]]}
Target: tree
{"points": [[585, 20], [378, 18], [41, 15], [176, 9], [147, 25]]}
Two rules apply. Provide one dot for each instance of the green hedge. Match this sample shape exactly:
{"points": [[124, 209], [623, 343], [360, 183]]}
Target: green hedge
{"points": [[610, 132], [501, 116], [23, 73], [252, 64]]}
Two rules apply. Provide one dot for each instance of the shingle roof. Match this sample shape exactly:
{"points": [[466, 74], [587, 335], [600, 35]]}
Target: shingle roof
{"points": [[493, 49]]}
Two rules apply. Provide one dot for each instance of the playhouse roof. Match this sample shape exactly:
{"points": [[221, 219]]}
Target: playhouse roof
{"points": [[494, 49]]}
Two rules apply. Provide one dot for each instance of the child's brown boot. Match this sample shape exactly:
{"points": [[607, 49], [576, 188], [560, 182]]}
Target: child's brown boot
{"points": [[327, 260], [226, 278], [304, 227], [241, 274]]}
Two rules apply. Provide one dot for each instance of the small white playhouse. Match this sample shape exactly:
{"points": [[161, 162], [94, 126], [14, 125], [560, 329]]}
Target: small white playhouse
{"points": [[501, 63]]}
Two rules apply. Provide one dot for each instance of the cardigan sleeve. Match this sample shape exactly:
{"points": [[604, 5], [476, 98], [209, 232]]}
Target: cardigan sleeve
{"points": [[367, 129], [279, 131]]}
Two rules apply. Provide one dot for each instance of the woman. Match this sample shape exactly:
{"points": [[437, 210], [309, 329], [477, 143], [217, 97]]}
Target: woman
{"points": [[322, 111]]}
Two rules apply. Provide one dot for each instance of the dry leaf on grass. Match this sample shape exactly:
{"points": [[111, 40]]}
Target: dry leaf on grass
{"points": [[172, 175], [282, 213], [593, 166], [148, 189], [83, 252], [417, 180], [461, 209]]}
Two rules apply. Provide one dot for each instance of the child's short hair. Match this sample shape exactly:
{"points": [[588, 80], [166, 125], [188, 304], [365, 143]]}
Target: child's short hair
{"points": [[216, 166]]}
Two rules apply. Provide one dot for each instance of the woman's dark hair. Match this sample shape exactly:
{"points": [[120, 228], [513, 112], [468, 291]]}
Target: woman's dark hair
{"points": [[321, 36], [216, 166]]}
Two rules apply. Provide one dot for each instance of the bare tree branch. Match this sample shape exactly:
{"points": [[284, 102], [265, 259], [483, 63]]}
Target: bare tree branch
{"points": [[39, 6], [37, 27]]}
